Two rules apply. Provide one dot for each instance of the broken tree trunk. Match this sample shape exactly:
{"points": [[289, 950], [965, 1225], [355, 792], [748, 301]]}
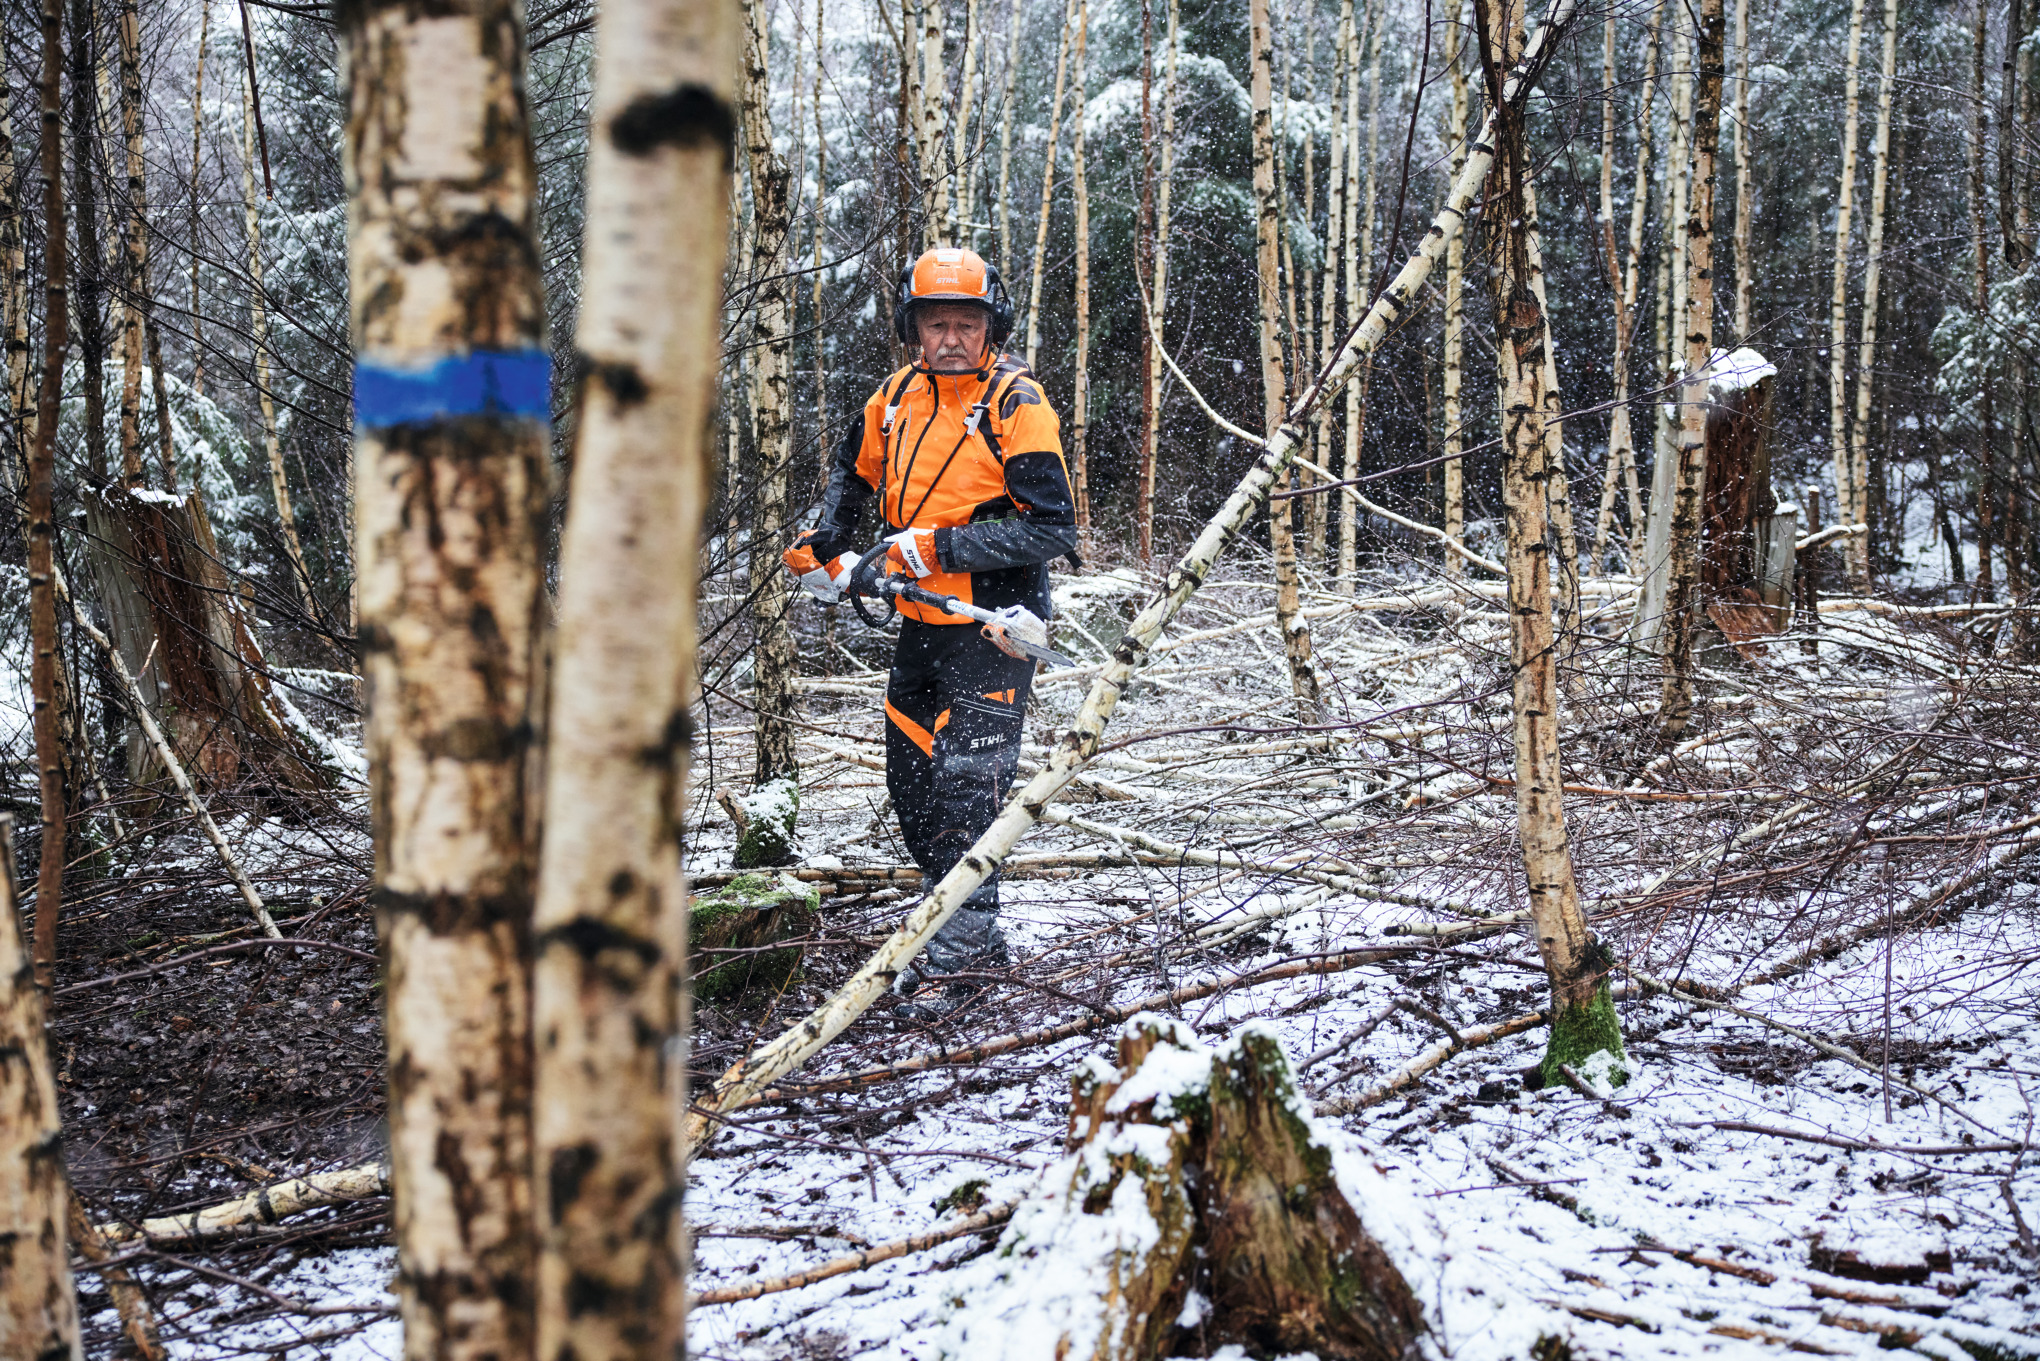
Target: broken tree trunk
{"points": [[452, 457], [610, 925], [1080, 742], [1583, 1017], [1202, 1207], [38, 1302], [1281, 517], [186, 638]]}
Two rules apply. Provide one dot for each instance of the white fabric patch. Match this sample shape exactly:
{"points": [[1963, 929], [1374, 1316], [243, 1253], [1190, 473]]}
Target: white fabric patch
{"points": [[910, 549]]}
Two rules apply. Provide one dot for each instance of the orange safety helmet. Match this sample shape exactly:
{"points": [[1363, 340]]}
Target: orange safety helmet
{"points": [[946, 274]]}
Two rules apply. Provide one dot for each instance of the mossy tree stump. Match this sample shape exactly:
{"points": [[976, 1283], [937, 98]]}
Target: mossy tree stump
{"points": [[1199, 1208], [765, 820], [732, 931]]}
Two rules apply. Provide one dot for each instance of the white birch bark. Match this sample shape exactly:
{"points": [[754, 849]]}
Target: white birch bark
{"points": [[197, 154], [1359, 266], [1682, 603], [1745, 180], [1848, 511], [1080, 743], [934, 104], [610, 924], [1873, 256], [1144, 511], [962, 207], [1323, 432], [452, 507], [1455, 308], [1080, 401], [258, 339], [38, 1301], [1268, 301], [1005, 195]]}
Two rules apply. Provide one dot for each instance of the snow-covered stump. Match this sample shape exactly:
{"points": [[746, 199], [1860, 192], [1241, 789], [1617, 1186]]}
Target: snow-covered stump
{"points": [[739, 923], [765, 820], [1201, 1206]]}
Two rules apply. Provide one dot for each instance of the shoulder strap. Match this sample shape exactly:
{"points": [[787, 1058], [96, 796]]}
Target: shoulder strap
{"points": [[1009, 371], [892, 400]]}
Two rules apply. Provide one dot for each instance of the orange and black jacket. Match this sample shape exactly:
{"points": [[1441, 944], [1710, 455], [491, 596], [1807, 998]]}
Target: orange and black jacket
{"points": [[977, 457]]}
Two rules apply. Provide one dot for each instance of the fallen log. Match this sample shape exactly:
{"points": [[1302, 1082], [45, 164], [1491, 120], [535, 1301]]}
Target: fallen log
{"points": [[246, 1216], [859, 1260]]}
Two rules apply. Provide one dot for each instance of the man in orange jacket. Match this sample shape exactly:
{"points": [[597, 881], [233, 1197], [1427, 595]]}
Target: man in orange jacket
{"points": [[964, 456]]}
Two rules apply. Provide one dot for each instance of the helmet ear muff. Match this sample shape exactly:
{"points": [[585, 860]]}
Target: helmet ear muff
{"points": [[903, 307], [1002, 306]]}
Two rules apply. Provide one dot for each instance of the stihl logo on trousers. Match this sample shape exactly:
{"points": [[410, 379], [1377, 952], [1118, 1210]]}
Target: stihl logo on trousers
{"points": [[977, 742]]}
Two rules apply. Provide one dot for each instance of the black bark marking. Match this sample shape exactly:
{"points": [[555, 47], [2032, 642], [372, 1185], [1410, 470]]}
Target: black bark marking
{"points": [[689, 116], [590, 936], [626, 386], [570, 1167]]}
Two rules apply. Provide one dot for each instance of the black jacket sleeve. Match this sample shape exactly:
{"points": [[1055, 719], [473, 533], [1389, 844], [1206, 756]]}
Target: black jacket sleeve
{"points": [[844, 497]]}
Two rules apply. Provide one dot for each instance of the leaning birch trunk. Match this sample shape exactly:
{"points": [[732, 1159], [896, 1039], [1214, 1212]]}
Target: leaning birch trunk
{"points": [[1582, 1016], [1062, 57], [1689, 481], [773, 699], [1080, 400], [38, 1302], [452, 395], [1081, 741], [46, 667], [1866, 351], [1745, 181], [1455, 312], [611, 917], [258, 322], [1281, 515], [1847, 511], [1151, 425]]}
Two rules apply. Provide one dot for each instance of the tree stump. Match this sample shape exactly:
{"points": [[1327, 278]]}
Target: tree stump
{"points": [[731, 931], [180, 626], [1201, 1207]]}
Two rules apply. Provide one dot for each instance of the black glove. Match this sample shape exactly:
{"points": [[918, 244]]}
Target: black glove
{"points": [[827, 542]]}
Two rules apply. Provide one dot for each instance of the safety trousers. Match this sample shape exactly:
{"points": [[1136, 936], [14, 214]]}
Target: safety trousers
{"points": [[954, 712]]}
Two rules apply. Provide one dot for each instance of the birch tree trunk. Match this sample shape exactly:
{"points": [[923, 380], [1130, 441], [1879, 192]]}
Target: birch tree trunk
{"points": [[610, 925], [1359, 268], [1355, 287], [1979, 229], [1157, 236], [934, 101], [46, 667], [88, 299], [1866, 350], [1005, 195], [1324, 432], [1455, 309], [258, 323], [771, 356], [452, 399], [1682, 604], [1847, 511], [38, 1302], [1745, 181], [1081, 741], [197, 155], [1080, 401], [135, 234], [1626, 270], [14, 259], [962, 207], [1583, 1019], [1268, 300], [1062, 54]]}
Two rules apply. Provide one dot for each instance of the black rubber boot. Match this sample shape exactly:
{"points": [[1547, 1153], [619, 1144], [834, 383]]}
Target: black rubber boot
{"points": [[969, 942]]}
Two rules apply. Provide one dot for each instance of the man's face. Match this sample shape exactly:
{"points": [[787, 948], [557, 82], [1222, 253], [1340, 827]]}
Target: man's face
{"points": [[952, 335]]}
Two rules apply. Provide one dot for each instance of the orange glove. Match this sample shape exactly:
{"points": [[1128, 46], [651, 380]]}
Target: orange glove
{"points": [[913, 550], [824, 580]]}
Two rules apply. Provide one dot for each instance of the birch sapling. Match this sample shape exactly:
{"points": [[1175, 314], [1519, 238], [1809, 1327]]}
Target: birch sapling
{"points": [[1080, 743], [38, 1301], [1689, 485], [1583, 1020], [452, 399], [1873, 258], [1268, 299], [611, 914]]}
